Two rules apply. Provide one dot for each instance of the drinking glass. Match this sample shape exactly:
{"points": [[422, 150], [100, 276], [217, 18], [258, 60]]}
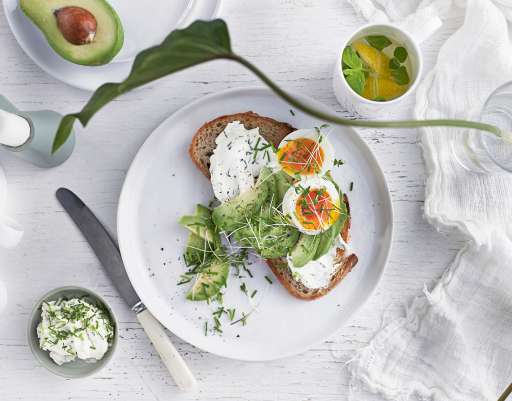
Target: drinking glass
{"points": [[483, 153]]}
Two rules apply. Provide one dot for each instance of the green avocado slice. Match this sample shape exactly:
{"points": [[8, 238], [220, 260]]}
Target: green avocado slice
{"points": [[210, 281], [234, 213], [305, 249], [281, 183], [268, 233], [312, 247], [201, 224], [328, 237], [106, 42]]}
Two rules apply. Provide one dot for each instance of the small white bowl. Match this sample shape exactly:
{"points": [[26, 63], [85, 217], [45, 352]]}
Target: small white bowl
{"points": [[350, 99], [78, 368]]}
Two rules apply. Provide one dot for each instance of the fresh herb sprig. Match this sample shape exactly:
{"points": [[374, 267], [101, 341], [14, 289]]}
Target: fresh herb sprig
{"points": [[204, 41], [380, 42], [354, 69], [397, 67]]}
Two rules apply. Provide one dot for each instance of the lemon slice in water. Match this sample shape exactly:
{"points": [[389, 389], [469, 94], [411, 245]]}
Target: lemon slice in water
{"points": [[374, 59], [382, 89]]}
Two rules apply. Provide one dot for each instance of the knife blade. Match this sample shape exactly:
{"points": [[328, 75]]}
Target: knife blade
{"points": [[107, 251], [102, 244]]}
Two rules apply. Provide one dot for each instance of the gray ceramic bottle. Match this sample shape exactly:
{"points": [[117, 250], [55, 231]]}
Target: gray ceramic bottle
{"points": [[43, 126]]}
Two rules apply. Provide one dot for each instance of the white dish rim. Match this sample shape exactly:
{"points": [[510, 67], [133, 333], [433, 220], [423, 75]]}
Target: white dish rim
{"points": [[124, 194]]}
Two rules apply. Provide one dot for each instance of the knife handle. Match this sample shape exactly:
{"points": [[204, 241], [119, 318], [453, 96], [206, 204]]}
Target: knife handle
{"points": [[170, 356]]}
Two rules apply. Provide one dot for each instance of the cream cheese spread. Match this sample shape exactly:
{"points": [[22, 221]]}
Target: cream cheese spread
{"points": [[237, 160], [74, 328], [318, 273]]}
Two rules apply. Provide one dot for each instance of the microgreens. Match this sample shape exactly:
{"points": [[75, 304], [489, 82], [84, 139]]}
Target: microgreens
{"points": [[243, 319]]}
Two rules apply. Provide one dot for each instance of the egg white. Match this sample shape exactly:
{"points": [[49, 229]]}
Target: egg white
{"points": [[319, 137], [292, 195]]}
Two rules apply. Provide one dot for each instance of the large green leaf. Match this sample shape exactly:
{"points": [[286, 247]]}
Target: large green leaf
{"points": [[200, 42], [203, 41]]}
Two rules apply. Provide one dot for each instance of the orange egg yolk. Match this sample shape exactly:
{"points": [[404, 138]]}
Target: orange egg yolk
{"points": [[302, 156], [315, 209]]}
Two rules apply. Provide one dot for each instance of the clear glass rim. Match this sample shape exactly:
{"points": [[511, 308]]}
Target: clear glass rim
{"points": [[481, 140]]}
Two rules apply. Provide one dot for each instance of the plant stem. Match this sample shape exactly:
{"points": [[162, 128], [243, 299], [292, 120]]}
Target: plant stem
{"points": [[365, 123], [506, 393]]}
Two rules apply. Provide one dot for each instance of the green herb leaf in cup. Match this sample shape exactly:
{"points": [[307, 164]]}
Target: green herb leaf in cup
{"points": [[400, 54], [356, 80], [351, 59], [400, 76], [394, 64], [353, 69], [378, 41]]}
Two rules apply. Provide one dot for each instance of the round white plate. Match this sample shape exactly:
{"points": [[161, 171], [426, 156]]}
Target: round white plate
{"points": [[146, 23], [163, 184]]}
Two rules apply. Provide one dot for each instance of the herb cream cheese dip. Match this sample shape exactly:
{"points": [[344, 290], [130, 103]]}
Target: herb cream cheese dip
{"points": [[74, 328]]}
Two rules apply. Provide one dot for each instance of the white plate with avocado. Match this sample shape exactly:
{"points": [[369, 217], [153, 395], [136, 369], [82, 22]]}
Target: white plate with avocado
{"points": [[163, 184], [110, 35]]}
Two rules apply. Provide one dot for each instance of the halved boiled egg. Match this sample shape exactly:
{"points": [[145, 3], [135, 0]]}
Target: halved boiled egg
{"points": [[305, 152], [313, 204]]}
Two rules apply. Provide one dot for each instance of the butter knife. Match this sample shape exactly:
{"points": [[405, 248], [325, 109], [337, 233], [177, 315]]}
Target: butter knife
{"points": [[108, 254]]}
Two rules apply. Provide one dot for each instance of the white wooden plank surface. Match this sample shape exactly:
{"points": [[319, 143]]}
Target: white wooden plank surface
{"points": [[296, 42]]}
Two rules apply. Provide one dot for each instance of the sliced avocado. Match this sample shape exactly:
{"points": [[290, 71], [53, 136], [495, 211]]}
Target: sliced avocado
{"points": [[233, 214], [281, 183], [86, 32], [328, 237], [312, 247], [210, 281], [305, 249], [198, 251], [201, 224]]}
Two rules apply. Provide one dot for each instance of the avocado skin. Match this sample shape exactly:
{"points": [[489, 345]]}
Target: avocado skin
{"points": [[232, 214], [97, 56]]}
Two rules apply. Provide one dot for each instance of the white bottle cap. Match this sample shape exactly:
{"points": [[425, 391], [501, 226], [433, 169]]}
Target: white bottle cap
{"points": [[14, 130]]}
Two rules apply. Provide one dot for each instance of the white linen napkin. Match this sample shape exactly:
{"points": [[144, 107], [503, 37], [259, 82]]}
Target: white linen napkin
{"points": [[455, 342], [10, 231]]}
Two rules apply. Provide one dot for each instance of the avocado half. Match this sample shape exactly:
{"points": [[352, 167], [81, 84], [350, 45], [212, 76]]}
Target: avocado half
{"points": [[64, 21]]}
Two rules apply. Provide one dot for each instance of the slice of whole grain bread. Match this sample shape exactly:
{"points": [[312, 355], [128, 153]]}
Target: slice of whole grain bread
{"points": [[344, 264], [202, 147], [203, 142]]}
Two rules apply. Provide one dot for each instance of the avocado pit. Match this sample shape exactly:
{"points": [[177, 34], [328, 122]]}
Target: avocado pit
{"points": [[77, 25]]}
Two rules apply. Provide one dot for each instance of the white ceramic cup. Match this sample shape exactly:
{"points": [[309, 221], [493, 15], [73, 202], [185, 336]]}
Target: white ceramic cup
{"points": [[354, 102]]}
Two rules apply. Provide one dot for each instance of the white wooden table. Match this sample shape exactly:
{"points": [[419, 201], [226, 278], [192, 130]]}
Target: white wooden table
{"points": [[296, 43]]}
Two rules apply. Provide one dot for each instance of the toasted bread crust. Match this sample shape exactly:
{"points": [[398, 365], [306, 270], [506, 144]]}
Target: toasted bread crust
{"points": [[345, 263], [200, 150], [203, 142]]}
